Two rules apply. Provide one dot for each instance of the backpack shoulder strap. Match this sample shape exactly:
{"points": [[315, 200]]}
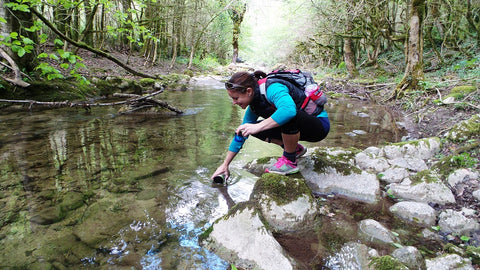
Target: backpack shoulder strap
{"points": [[262, 84]]}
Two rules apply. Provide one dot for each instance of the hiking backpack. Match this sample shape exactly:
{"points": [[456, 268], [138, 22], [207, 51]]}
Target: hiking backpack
{"points": [[314, 96]]}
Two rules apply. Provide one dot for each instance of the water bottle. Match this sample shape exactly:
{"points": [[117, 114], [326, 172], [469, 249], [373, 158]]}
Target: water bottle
{"points": [[219, 179], [309, 89]]}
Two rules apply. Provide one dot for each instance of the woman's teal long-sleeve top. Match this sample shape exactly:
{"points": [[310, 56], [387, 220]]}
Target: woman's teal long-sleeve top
{"points": [[278, 94]]}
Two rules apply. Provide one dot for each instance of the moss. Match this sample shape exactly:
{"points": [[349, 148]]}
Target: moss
{"points": [[425, 176], [465, 130], [474, 254], [336, 95], [263, 160], [50, 91], [387, 263], [202, 237], [188, 72], [461, 91], [415, 142], [450, 163], [175, 81], [281, 189], [146, 82], [340, 161]]}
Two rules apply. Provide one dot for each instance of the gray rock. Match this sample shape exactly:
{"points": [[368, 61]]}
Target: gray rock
{"points": [[415, 212], [423, 149], [463, 131], [372, 150], [361, 186], [370, 162], [409, 256], [461, 175], [394, 175], [372, 231], [242, 238], [411, 163], [451, 221], [352, 256], [290, 216], [427, 188], [392, 151], [449, 262], [476, 194]]}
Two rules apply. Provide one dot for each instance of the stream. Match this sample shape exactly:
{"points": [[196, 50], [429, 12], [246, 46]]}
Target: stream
{"points": [[96, 190]]}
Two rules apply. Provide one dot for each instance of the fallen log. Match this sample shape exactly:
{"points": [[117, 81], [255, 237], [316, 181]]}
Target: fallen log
{"points": [[134, 101]]}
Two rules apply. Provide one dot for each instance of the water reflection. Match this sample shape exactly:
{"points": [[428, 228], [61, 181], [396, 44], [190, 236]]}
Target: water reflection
{"points": [[91, 190]]}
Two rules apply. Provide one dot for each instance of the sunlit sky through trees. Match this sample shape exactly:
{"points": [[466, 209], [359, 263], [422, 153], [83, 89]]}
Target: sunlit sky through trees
{"points": [[270, 29]]}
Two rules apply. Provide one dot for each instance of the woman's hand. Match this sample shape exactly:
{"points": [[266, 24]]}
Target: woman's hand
{"points": [[249, 129], [223, 169]]}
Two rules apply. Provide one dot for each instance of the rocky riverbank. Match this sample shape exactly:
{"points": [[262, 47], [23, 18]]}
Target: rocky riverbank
{"points": [[398, 206]]}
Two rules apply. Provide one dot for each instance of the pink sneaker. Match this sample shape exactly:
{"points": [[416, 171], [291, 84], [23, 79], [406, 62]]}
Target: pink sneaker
{"points": [[283, 166], [301, 150]]}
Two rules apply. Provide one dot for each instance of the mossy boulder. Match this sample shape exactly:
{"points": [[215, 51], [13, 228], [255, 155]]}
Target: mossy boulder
{"points": [[465, 130], [333, 170], [286, 203], [459, 92]]}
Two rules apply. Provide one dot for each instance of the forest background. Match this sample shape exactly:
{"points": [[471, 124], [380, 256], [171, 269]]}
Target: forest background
{"points": [[416, 45]]}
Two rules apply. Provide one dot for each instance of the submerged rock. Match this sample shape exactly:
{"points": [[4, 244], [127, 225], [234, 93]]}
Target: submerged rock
{"points": [[373, 231], [352, 256]]}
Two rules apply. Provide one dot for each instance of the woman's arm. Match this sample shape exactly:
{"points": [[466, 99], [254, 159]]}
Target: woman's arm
{"points": [[223, 168]]}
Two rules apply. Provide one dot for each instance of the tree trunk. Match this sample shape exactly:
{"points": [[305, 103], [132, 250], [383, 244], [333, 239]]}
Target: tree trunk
{"points": [[349, 53], [473, 20], [414, 51], [236, 14]]}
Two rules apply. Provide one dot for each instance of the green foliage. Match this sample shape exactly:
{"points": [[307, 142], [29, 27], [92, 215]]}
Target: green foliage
{"points": [[464, 160], [387, 263], [464, 238], [207, 63]]}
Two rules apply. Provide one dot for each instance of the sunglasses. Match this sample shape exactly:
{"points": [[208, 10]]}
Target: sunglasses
{"points": [[230, 85]]}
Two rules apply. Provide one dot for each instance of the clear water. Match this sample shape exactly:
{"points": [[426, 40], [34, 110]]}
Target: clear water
{"points": [[99, 190]]}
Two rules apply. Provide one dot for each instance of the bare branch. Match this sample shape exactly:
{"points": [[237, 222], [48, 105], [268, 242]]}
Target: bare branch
{"points": [[18, 78]]}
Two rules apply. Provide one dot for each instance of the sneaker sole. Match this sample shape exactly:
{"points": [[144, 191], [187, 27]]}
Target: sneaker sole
{"points": [[283, 173], [301, 153]]}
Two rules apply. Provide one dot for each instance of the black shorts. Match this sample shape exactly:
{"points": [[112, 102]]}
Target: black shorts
{"points": [[311, 128]]}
